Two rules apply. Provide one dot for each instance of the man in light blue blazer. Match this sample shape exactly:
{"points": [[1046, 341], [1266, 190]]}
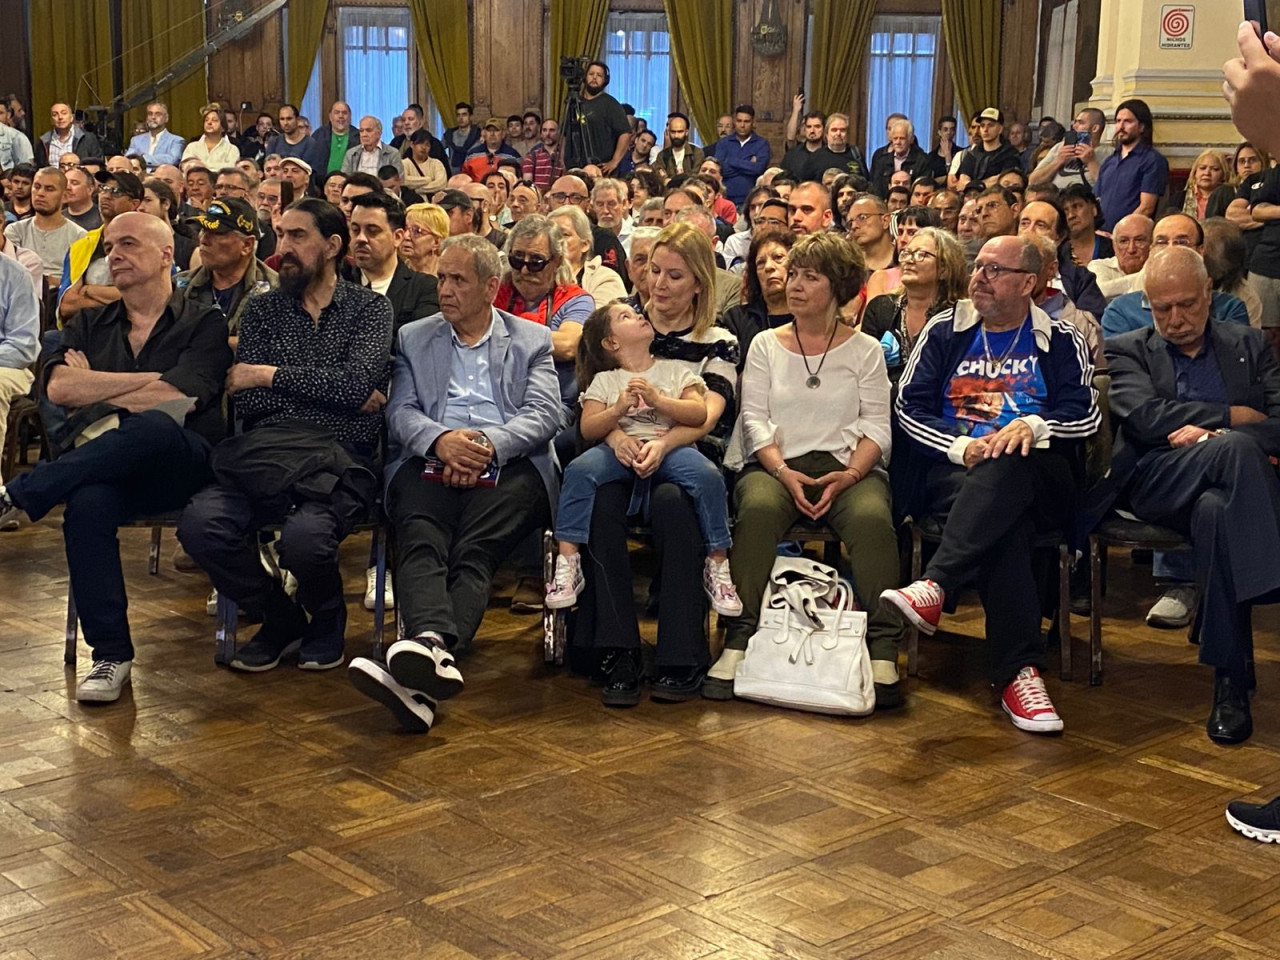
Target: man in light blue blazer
{"points": [[474, 405], [157, 146]]}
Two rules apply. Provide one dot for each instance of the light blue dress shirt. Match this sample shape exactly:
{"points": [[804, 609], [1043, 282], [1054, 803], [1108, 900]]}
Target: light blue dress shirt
{"points": [[19, 316], [470, 403]]}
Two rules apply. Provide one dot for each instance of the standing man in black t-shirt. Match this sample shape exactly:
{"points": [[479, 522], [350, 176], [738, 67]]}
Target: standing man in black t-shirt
{"points": [[1264, 264], [603, 132], [991, 156]]}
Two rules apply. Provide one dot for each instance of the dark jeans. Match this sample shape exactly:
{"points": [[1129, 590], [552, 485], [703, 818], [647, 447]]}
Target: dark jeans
{"points": [[606, 609], [450, 540], [219, 530], [993, 513], [1225, 494], [149, 466]]}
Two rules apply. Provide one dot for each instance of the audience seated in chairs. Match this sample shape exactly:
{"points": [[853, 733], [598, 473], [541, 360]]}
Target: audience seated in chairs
{"points": [[113, 367], [995, 401], [475, 391], [309, 385], [1198, 408], [829, 469]]}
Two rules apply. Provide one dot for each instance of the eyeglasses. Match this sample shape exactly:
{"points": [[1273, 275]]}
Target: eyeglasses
{"points": [[533, 264], [419, 232], [864, 217], [994, 271], [916, 256], [1125, 243], [266, 200], [1173, 242], [563, 198], [116, 191]]}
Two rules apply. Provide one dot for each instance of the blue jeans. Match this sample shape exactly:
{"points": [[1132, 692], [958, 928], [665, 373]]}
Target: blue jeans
{"points": [[1175, 567], [684, 466]]}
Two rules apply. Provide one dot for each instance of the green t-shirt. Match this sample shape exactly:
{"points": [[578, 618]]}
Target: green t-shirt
{"points": [[337, 150]]}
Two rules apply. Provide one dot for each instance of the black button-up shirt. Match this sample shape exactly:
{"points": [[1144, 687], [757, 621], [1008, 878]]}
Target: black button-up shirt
{"points": [[1199, 378], [187, 347], [326, 370]]}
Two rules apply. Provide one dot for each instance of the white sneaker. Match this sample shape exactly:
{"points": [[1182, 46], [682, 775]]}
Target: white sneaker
{"points": [[719, 586], [563, 591], [211, 603], [10, 513], [104, 682], [414, 710], [370, 584], [1175, 607], [425, 665]]}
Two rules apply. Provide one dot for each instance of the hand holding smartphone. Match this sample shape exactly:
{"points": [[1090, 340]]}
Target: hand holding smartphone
{"points": [[1256, 12]]}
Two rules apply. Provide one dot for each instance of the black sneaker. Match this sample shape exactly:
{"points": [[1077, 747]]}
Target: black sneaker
{"points": [[415, 711], [622, 688], [1257, 821], [264, 652], [677, 684], [322, 642], [425, 665]]}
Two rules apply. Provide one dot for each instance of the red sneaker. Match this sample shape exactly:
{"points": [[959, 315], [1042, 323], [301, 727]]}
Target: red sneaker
{"points": [[1027, 703], [919, 602]]}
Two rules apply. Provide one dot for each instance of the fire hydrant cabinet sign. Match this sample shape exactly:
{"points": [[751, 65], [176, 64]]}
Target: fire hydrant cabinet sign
{"points": [[1177, 26]]}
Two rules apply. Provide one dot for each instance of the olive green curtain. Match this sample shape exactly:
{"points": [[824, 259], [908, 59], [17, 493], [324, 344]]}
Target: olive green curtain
{"points": [[576, 29], [306, 28], [155, 34], [71, 56], [971, 31], [444, 45], [841, 32], [702, 48]]}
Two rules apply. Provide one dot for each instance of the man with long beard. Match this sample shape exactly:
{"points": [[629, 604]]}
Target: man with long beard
{"points": [[309, 385]]}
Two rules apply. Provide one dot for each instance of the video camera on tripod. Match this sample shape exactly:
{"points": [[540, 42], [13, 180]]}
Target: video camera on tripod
{"points": [[573, 70]]}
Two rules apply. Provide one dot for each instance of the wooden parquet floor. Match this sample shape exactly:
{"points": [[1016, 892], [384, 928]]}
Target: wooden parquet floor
{"points": [[216, 815]]}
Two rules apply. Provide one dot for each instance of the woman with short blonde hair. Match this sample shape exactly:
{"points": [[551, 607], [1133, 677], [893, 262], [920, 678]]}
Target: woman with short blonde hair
{"points": [[1208, 173], [426, 227]]}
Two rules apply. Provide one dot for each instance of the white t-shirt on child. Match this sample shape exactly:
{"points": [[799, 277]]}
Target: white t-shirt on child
{"points": [[669, 377]]}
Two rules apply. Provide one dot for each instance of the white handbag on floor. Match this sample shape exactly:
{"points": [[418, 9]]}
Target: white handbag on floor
{"points": [[809, 651]]}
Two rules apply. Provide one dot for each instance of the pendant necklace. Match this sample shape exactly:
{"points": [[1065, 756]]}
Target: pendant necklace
{"points": [[814, 381], [992, 364]]}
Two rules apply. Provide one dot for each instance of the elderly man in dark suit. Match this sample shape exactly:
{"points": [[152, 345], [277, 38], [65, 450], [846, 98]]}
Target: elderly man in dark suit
{"points": [[1198, 409], [474, 405]]}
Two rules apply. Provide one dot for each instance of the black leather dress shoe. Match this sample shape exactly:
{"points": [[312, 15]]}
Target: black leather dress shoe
{"points": [[1230, 720], [677, 684], [622, 684]]}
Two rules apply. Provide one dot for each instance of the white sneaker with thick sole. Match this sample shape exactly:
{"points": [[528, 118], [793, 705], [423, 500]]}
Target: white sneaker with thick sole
{"points": [[718, 584], [415, 711], [563, 591], [211, 603], [104, 682], [1175, 607], [425, 665], [370, 588]]}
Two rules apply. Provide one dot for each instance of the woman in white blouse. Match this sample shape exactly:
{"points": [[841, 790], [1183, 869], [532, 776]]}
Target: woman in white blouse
{"points": [[815, 435], [603, 283], [215, 149]]}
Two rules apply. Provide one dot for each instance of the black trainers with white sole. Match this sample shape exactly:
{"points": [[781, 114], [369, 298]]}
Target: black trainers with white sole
{"points": [[415, 711], [1257, 821], [426, 665]]}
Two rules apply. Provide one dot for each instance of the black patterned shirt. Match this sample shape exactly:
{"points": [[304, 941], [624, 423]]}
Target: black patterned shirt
{"points": [[325, 371], [713, 357]]}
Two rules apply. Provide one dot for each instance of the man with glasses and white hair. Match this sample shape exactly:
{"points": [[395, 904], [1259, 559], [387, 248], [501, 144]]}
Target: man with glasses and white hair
{"points": [[573, 191], [995, 404]]}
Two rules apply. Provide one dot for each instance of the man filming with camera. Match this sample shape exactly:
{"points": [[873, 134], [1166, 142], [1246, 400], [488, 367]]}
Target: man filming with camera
{"points": [[595, 128], [1077, 158]]}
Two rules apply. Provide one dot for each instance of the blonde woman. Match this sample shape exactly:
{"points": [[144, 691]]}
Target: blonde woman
{"points": [[1208, 173], [426, 227]]}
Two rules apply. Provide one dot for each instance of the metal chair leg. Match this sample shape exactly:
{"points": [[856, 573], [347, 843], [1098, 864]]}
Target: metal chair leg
{"points": [[225, 634], [1096, 551], [1064, 608], [913, 635], [153, 553], [379, 593], [549, 617], [69, 654]]}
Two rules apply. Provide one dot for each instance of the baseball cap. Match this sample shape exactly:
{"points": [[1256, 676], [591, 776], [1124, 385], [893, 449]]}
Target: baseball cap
{"points": [[495, 123], [127, 182], [297, 162], [228, 215], [454, 200], [991, 113]]}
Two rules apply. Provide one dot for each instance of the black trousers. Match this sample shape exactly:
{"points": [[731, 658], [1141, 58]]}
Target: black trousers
{"points": [[1225, 494], [150, 465], [993, 512], [449, 541], [219, 530], [606, 610]]}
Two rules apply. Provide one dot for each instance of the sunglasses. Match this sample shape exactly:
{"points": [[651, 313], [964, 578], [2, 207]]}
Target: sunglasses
{"points": [[534, 264]]}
